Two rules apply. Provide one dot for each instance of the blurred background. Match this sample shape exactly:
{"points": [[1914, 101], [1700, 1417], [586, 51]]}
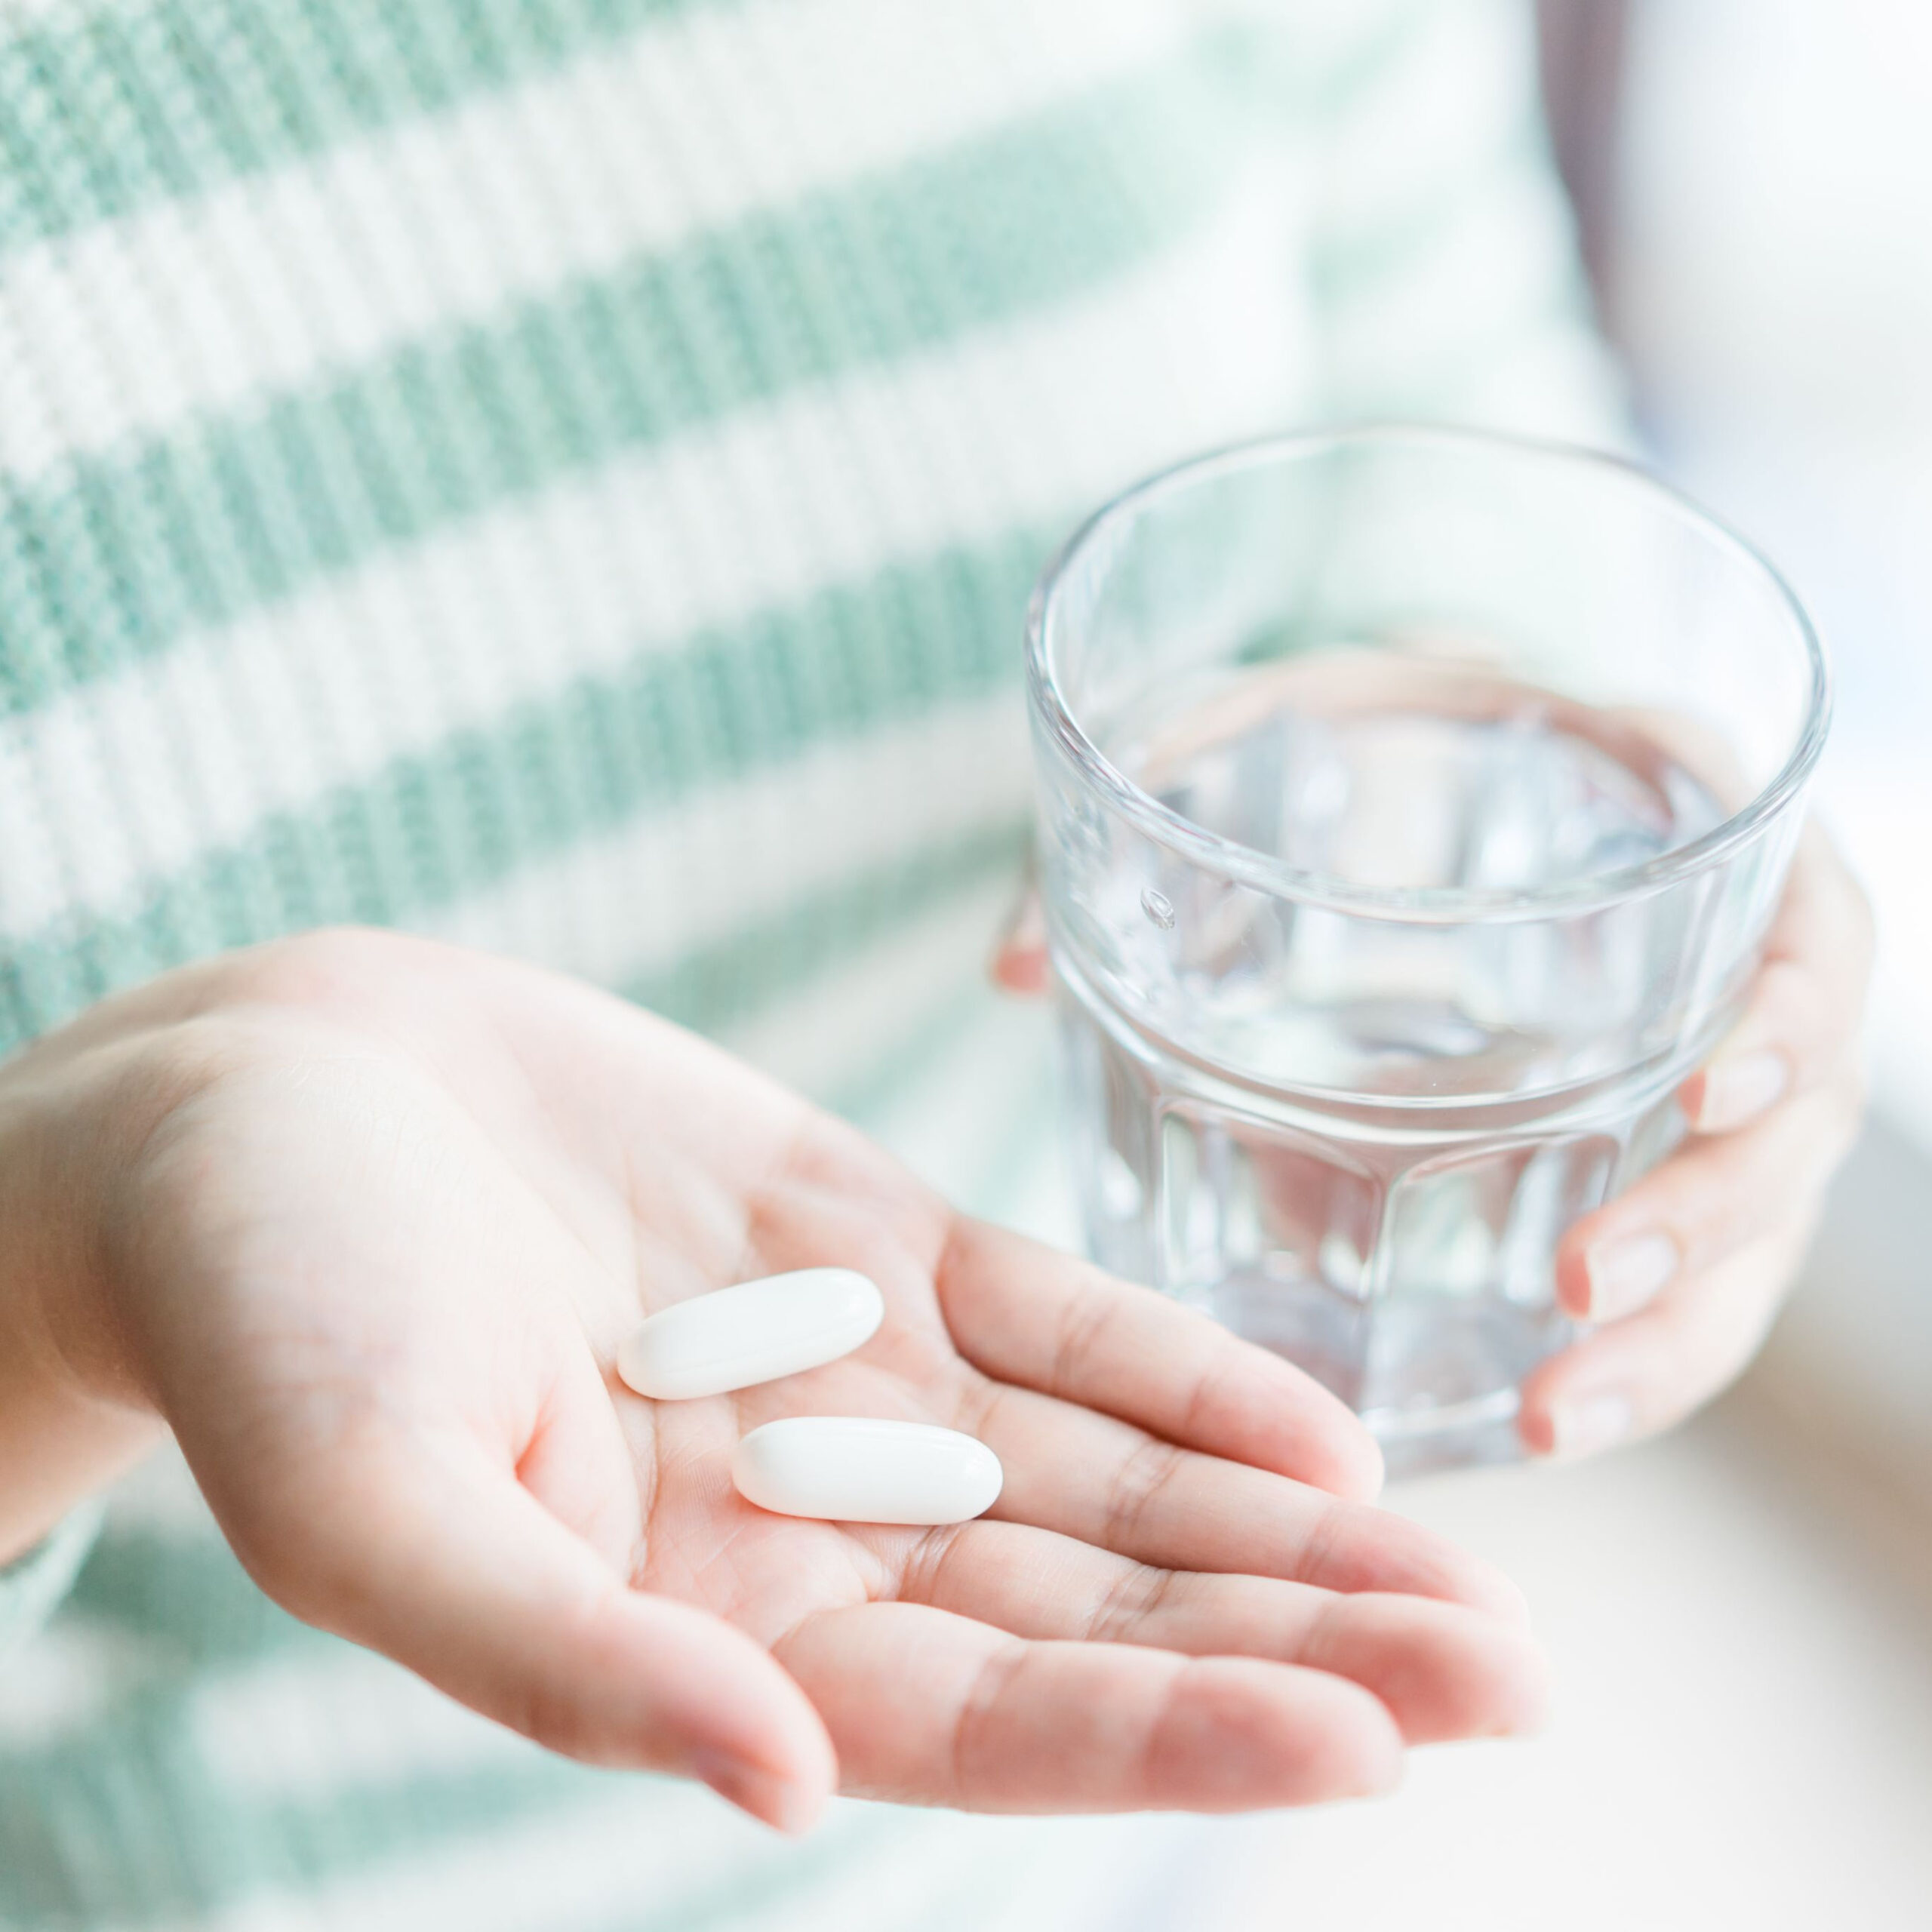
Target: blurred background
{"points": [[1741, 1614], [1754, 179]]}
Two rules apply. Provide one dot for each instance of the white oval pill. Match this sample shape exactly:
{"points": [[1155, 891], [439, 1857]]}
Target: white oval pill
{"points": [[851, 1469], [755, 1332]]}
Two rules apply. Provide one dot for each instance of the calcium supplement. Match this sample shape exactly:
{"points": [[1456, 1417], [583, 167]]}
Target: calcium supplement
{"points": [[756, 1332], [853, 1469]]}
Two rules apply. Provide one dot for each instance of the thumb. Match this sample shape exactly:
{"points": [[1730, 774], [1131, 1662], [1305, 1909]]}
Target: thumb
{"points": [[441, 1560]]}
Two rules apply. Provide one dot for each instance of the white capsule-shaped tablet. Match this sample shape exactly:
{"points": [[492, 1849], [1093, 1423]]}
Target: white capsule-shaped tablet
{"points": [[852, 1469], [756, 1332]]}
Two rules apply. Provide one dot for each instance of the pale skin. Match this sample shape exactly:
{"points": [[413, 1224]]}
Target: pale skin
{"points": [[362, 1220], [1682, 1274]]}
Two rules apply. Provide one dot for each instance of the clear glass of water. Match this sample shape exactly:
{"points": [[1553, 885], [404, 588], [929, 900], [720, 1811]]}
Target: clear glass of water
{"points": [[1413, 804]]}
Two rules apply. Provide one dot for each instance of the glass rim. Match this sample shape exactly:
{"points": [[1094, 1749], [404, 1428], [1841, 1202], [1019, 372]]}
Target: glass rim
{"points": [[1435, 904]]}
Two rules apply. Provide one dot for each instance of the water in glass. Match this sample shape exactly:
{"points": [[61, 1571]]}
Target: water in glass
{"points": [[1351, 1140]]}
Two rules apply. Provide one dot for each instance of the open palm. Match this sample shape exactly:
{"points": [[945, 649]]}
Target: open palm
{"points": [[393, 1210]]}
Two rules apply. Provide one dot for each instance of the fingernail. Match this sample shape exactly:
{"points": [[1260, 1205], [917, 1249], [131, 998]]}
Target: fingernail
{"points": [[1021, 964], [1591, 1422], [1739, 1089], [1624, 1275], [780, 1802]]}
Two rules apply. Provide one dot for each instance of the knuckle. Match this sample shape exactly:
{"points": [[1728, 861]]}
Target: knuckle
{"points": [[1686, 1199], [979, 1713], [978, 1405], [1724, 1318], [1819, 1132], [923, 1576], [327, 970], [550, 1699], [1134, 1596], [1088, 1315], [1139, 1480], [545, 1715], [1209, 1386], [1323, 1541]]}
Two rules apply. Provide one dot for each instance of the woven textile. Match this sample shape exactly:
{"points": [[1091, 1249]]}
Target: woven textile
{"points": [[565, 475]]}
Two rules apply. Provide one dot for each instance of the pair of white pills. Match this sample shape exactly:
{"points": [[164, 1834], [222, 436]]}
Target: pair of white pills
{"points": [[845, 1468]]}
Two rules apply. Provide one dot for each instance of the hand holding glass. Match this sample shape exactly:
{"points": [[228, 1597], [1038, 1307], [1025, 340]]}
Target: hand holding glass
{"points": [[1413, 805]]}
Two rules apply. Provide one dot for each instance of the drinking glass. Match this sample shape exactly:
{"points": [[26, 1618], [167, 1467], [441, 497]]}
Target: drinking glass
{"points": [[1413, 805]]}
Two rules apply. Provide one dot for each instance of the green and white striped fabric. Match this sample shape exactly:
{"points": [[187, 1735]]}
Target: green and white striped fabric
{"points": [[565, 475]]}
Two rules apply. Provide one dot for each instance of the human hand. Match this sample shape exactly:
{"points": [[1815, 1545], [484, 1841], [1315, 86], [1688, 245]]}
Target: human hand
{"points": [[1686, 1270], [365, 1220]]}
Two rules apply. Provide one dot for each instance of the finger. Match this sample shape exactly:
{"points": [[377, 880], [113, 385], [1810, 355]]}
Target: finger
{"points": [[1019, 963], [1107, 1483], [444, 1562], [1705, 1201], [1026, 1314], [1698, 745], [1637, 1376], [929, 1707], [1442, 1671], [1804, 1004]]}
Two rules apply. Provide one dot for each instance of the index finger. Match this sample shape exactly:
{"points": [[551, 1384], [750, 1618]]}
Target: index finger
{"points": [[1803, 1007], [1026, 1314]]}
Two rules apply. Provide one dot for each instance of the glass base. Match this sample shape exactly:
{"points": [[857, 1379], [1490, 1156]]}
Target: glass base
{"points": [[1408, 1266], [1435, 1378], [1455, 1435]]}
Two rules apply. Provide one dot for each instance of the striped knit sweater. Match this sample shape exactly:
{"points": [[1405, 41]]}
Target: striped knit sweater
{"points": [[564, 475]]}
